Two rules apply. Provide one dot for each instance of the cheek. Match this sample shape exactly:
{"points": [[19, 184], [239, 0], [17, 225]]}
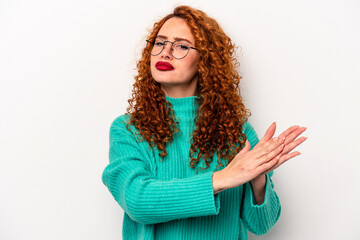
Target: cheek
{"points": [[151, 61], [152, 64], [192, 65], [188, 70]]}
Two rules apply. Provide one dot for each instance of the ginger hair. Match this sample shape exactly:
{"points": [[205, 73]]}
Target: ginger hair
{"points": [[221, 112]]}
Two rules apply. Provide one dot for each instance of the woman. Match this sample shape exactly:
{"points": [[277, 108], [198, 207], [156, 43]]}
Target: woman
{"points": [[202, 172]]}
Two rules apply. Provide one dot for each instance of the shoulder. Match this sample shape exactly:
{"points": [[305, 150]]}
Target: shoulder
{"points": [[119, 127], [120, 121]]}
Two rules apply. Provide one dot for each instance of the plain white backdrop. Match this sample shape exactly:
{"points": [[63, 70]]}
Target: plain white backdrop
{"points": [[66, 72]]}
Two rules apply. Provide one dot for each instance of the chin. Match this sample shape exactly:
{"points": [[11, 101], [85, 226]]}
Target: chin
{"points": [[164, 81], [162, 77]]}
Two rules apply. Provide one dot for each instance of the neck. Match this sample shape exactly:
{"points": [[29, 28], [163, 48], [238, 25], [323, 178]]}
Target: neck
{"points": [[181, 90], [185, 108]]}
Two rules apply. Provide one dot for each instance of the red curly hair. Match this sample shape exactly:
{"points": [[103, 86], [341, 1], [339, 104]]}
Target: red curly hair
{"points": [[221, 113]]}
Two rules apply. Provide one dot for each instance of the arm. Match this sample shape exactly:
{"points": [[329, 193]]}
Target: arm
{"points": [[219, 183], [258, 186], [143, 197], [261, 206], [259, 219]]}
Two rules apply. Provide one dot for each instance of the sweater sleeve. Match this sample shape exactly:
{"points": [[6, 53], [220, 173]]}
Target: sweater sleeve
{"points": [[259, 219], [149, 200]]}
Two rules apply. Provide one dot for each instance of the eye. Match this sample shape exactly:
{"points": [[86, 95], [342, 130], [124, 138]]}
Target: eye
{"points": [[183, 47], [159, 43]]}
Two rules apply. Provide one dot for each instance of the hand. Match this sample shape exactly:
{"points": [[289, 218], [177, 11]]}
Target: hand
{"points": [[267, 155], [289, 144]]}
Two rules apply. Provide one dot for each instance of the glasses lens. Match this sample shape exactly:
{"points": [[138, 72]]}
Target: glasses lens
{"points": [[155, 46], [180, 49]]}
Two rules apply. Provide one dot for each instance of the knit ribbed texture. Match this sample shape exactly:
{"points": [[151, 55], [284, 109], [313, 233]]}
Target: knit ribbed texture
{"points": [[165, 200]]}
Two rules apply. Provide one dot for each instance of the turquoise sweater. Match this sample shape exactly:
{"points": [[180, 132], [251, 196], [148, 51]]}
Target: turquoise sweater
{"points": [[165, 200]]}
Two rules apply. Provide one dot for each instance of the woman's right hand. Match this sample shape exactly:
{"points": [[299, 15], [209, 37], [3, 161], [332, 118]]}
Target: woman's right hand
{"points": [[248, 165]]}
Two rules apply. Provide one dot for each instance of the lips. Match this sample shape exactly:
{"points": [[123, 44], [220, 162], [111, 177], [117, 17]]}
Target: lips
{"points": [[164, 66]]}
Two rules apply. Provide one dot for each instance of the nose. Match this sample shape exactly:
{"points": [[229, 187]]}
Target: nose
{"points": [[166, 52]]}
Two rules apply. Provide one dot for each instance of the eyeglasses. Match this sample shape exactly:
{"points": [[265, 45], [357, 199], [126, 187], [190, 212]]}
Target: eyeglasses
{"points": [[179, 48]]}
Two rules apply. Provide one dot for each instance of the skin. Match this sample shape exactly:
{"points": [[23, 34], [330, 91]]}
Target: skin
{"points": [[182, 80]]}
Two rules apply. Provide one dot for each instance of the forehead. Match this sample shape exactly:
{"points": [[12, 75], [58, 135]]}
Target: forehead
{"points": [[176, 28]]}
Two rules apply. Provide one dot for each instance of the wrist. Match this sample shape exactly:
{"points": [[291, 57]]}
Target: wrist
{"points": [[258, 188], [219, 184], [259, 180]]}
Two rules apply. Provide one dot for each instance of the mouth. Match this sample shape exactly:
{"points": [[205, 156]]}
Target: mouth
{"points": [[164, 66]]}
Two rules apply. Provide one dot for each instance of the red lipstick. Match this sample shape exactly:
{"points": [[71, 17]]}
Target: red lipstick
{"points": [[163, 66]]}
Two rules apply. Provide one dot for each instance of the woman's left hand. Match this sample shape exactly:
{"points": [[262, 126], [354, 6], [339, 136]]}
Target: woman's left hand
{"points": [[290, 143]]}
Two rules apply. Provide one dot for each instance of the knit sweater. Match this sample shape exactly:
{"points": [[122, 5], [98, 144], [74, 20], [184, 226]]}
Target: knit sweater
{"points": [[165, 199]]}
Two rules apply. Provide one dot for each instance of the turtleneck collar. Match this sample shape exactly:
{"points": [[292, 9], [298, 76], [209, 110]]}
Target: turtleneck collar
{"points": [[184, 107]]}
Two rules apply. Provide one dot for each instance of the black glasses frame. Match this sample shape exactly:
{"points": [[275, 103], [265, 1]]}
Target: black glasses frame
{"points": [[172, 44]]}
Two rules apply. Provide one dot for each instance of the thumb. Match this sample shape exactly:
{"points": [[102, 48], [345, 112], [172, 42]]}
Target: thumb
{"points": [[246, 148]]}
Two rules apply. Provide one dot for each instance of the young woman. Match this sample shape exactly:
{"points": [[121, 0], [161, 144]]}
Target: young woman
{"points": [[184, 161]]}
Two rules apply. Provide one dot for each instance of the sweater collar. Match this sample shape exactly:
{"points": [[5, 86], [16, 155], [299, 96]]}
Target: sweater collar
{"points": [[184, 107]]}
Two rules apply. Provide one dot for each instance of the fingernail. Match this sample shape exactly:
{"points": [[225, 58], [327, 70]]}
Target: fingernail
{"points": [[275, 139], [281, 146], [282, 140]]}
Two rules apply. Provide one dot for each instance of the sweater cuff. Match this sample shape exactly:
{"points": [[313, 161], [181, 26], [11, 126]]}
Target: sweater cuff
{"points": [[261, 218], [216, 199], [180, 198], [271, 199], [203, 202]]}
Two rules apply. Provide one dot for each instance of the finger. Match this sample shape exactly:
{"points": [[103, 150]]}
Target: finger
{"points": [[246, 148], [268, 147], [288, 131], [288, 156], [294, 134], [289, 147], [282, 159], [271, 155], [267, 167], [269, 133]]}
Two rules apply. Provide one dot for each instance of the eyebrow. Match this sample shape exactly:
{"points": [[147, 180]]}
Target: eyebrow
{"points": [[176, 39]]}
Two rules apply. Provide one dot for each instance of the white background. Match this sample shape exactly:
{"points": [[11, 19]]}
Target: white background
{"points": [[66, 72]]}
